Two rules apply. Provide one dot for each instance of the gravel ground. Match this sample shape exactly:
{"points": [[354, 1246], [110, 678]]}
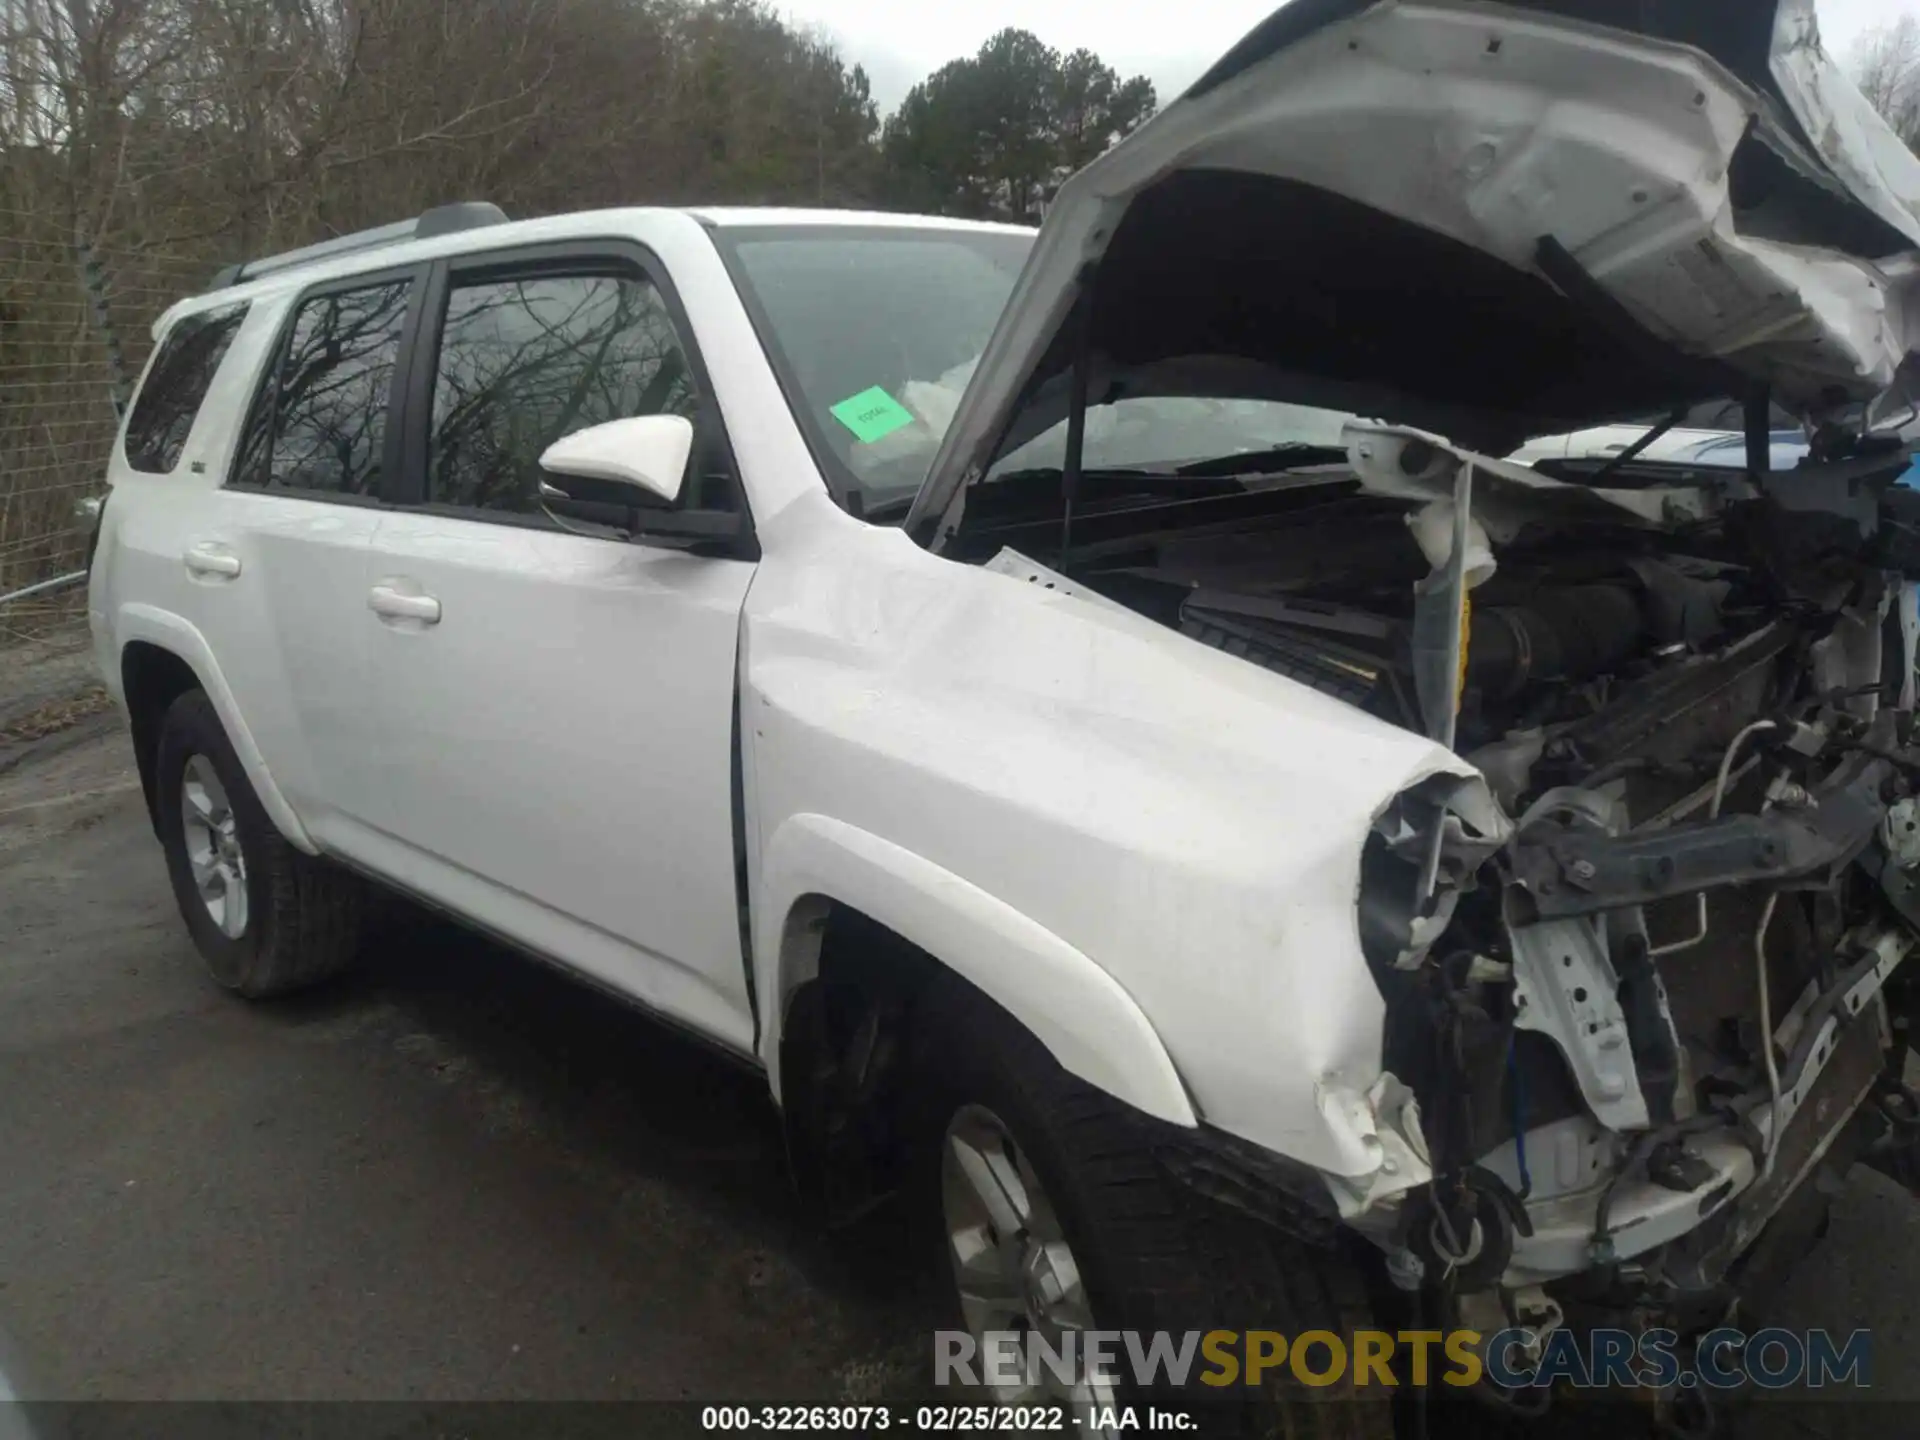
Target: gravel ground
{"points": [[454, 1176]]}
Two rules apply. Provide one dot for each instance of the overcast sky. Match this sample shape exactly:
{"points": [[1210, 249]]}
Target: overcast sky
{"points": [[1171, 45]]}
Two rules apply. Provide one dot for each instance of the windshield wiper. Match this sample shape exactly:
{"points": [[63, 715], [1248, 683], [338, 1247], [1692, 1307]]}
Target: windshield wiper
{"points": [[1164, 478], [1266, 462], [1158, 480], [1633, 451], [1126, 473]]}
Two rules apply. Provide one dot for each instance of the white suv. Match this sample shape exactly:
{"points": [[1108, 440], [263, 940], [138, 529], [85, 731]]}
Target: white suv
{"points": [[1350, 859]]}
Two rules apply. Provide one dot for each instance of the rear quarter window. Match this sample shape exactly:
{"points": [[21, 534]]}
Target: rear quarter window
{"points": [[176, 384]]}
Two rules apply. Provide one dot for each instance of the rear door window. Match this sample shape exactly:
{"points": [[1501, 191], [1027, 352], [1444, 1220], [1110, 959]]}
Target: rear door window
{"points": [[319, 424], [177, 383]]}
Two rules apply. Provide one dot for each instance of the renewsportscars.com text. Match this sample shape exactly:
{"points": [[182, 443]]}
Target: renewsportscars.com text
{"points": [[1515, 1358]]}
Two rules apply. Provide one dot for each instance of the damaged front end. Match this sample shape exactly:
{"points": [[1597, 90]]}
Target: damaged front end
{"points": [[1643, 965], [1644, 1015]]}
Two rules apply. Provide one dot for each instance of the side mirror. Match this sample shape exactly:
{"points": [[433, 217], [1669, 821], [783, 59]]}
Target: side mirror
{"points": [[646, 453]]}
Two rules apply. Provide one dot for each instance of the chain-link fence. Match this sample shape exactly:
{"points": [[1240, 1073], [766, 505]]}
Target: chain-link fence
{"points": [[74, 330]]}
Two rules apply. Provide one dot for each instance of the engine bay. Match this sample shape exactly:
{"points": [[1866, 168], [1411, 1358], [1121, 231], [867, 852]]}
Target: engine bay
{"points": [[1668, 990]]}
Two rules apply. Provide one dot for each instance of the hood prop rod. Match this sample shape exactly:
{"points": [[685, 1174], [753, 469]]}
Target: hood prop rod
{"points": [[1759, 431], [1076, 412]]}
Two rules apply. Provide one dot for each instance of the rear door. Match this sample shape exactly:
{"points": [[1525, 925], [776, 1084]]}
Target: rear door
{"points": [[284, 564], [555, 704], [257, 540]]}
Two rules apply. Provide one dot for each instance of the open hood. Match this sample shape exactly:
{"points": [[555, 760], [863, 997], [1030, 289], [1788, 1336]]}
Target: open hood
{"points": [[1489, 221]]}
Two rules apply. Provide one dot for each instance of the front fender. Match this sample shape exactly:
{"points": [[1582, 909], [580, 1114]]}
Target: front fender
{"points": [[1076, 1009], [135, 621], [1114, 795]]}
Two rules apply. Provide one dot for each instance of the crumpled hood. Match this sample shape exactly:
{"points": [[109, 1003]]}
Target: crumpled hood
{"points": [[1488, 221]]}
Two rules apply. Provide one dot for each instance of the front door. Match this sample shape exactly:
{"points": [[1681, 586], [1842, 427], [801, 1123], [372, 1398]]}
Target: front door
{"points": [[556, 708]]}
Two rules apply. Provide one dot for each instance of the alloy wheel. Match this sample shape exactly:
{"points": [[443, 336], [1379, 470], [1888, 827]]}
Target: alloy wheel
{"points": [[1012, 1264], [214, 853]]}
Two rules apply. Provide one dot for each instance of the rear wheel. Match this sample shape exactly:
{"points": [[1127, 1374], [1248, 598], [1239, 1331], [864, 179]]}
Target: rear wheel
{"points": [[266, 918], [1056, 1217]]}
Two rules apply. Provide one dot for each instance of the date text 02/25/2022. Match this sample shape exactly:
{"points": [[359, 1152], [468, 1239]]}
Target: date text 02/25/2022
{"points": [[935, 1419]]}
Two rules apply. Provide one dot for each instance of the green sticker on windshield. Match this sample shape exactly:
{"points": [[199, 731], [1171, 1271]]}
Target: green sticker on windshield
{"points": [[871, 414]]}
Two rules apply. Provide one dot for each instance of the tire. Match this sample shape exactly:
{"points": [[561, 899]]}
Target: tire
{"points": [[1152, 1254], [298, 919]]}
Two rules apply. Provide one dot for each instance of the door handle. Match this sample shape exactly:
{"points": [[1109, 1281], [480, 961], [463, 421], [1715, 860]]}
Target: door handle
{"points": [[212, 560], [394, 604]]}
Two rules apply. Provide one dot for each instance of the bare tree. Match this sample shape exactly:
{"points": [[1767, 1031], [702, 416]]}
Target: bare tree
{"points": [[145, 143], [1887, 66]]}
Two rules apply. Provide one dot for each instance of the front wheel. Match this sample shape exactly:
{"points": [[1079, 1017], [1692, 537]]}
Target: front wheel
{"points": [[1057, 1218], [266, 918]]}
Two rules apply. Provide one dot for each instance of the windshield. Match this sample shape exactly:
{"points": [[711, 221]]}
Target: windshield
{"points": [[873, 332]]}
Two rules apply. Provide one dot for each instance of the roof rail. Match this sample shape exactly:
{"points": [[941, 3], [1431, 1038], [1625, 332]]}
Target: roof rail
{"points": [[440, 220]]}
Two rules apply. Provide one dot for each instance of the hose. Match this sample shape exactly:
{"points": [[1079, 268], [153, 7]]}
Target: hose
{"points": [[1602, 1230], [1726, 763], [1766, 1032]]}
